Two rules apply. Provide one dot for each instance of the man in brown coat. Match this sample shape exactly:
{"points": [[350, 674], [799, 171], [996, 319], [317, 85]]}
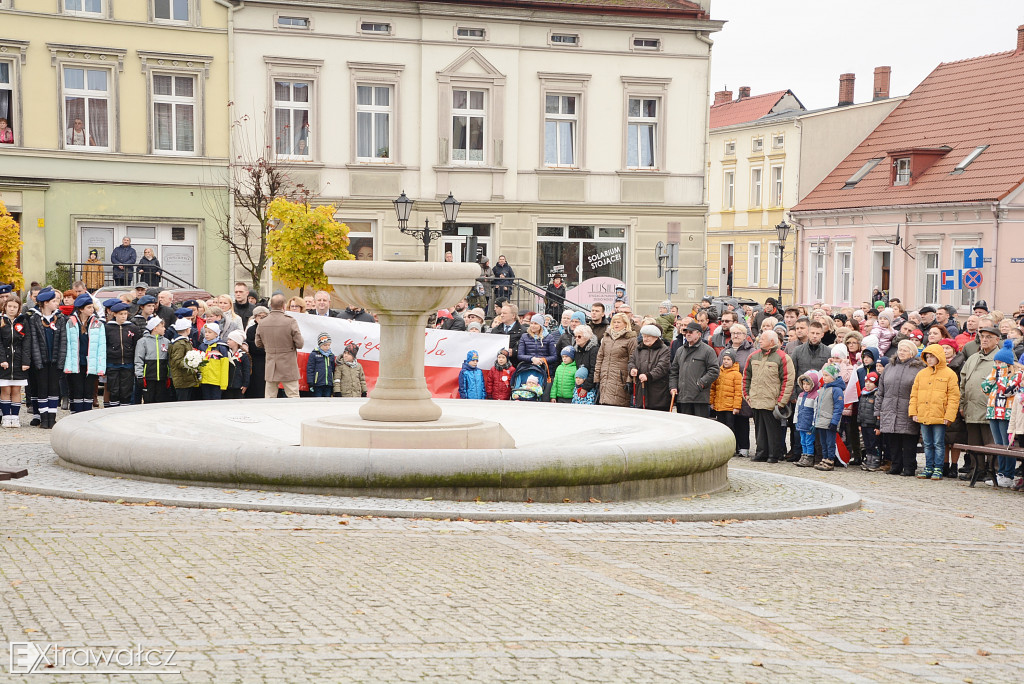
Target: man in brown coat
{"points": [[279, 335]]}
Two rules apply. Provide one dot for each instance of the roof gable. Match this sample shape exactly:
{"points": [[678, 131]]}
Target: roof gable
{"points": [[961, 105], [752, 108]]}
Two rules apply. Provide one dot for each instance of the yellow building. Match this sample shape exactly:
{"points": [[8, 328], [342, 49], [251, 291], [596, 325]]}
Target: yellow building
{"points": [[120, 127], [766, 153]]}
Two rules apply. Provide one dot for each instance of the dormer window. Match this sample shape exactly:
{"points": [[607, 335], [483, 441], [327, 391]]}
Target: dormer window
{"points": [[730, 148], [864, 170], [962, 166], [902, 173], [757, 145]]}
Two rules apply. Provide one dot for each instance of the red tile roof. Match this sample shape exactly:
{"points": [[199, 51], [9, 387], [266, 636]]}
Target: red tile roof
{"points": [[962, 105], [664, 8], [742, 111]]}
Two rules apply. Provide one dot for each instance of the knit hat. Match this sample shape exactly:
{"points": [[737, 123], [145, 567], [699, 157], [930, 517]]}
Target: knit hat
{"points": [[474, 325], [879, 304], [651, 330], [884, 360], [478, 312], [872, 377], [579, 316], [321, 338], [84, 299], [909, 345], [869, 341], [840, 351], [569, 351], [472, 355], [832, 369], [950, 343], [1005, 354], [582, 372], [237, 336], [667, 304], [156, 320], [209, 326], [352, 349], [538, 319], [781, 330], [887, 314], [444, 313], [730, 353], [182, 324], [917, 334]]}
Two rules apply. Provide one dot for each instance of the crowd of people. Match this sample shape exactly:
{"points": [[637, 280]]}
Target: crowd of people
{"points": [[821, 387]]}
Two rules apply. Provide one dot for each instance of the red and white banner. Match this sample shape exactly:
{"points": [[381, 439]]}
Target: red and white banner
{"points": [[442, 359]]}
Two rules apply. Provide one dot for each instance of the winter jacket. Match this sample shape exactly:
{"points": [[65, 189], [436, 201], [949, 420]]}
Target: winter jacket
{"points": [[586, 357], [808, 357], [613, 367], [1001, 384], [151, 357], [96, 355], [720, 340], [320, 368], [973, 399], [935, 396], [503, 275], [554, 298], [46, 339], [829, 410], [866, 414], [885, 337], [471, 382], [583, 396], [182, 377], [892, 399], [239, 370], [217, 368], [349, 381], [667, 323], [727, 390], [654, 362], [1016, 426], [14, 347], [543, 347], [278, 334], [806, 403], [498, 381], [563, 384], [768, 379], [693, 371], [121, 341], [92, 274]]}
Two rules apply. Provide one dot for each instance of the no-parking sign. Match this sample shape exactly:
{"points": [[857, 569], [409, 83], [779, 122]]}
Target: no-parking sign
{"points": [[972, 278]]}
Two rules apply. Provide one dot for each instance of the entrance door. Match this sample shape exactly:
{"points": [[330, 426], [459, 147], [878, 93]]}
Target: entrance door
{"points": [[881, 269], [100, 239], [454, 240], [725, 278]]}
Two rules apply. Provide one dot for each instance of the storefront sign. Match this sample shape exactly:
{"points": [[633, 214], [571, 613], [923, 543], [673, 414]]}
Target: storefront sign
{"points": [[595, 290]]}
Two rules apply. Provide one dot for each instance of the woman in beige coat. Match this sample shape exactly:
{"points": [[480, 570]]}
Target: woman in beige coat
{"points": [[613, 357]]}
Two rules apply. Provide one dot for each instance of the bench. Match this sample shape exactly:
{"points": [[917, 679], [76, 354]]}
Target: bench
{"points": [[12, 474], [986, 466]]}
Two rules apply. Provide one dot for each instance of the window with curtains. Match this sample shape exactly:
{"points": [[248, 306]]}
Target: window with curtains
{"points": [[373, 122], [468, 121], [729, 190], [174, 114], [560, 126], [87, 107], [776, 191], [642, 133], [755, 187], [292, 101], [85, 7], [171, 10], [7, 121]]}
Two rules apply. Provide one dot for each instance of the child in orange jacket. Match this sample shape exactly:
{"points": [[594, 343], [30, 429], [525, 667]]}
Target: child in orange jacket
{"points": [[727, 391]]}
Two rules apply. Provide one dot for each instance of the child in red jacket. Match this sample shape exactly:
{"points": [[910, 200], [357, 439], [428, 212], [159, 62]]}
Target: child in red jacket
{"points": [[498, 380]]}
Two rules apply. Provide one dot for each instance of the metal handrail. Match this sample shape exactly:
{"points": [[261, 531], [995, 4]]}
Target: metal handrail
{"points": [[527, 295], [131, 275]]}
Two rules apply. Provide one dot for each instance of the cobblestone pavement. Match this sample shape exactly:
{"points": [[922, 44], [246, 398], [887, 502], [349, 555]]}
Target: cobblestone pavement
{"points": [[916, 586]]}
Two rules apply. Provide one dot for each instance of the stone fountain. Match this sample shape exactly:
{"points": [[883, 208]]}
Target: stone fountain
{"points": [[399, 442]]}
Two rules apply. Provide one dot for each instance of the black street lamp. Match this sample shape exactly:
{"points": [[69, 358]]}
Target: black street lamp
{"points": [[403, 208], [783, 232]]}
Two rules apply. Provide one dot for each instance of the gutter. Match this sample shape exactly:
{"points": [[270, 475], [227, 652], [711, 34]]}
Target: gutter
{"points": [[707, 159]]}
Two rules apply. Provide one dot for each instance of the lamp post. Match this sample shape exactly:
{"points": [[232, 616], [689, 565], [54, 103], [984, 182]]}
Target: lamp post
{"points": [[783, 232], [403, 208]]}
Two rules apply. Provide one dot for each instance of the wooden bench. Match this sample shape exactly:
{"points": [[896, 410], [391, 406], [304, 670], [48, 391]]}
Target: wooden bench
{"points": [[12, 474], [986, 466]]}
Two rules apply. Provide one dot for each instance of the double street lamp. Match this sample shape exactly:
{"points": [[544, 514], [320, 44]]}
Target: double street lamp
{"points": [[403, 208], [783, 232]]}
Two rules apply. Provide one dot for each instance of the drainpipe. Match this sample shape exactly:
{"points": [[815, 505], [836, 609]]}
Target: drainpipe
{"points": [[706, 199], [995, 252], [232, 8]]}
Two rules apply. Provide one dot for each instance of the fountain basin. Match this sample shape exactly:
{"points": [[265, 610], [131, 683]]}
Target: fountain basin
{"points": [[562, 451]]}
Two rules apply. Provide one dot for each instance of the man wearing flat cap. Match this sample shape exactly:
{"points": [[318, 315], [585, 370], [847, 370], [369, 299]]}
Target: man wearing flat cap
{"points": [[694, 368]]}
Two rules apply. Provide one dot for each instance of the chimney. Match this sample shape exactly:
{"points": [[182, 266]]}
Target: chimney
{"points": [[1020, 39], [744, 92], [846, 89], [882, 75], [723, 97]]}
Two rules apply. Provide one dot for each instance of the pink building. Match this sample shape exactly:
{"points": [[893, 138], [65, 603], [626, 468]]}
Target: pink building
{"points": [[940, 176]]}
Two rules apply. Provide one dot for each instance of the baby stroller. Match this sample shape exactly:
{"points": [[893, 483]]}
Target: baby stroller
{"points": [[523, 373]]}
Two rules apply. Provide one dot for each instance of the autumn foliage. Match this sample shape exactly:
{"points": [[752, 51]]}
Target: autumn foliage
{"points": [[304, 239], [10, 246]]}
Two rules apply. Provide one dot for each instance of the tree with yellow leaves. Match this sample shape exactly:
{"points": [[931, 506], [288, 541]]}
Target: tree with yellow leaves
{"points": [[10, 246], [304, 239]]}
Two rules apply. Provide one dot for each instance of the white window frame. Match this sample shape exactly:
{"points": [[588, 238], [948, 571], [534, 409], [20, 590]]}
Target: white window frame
{"points": [[110, 99], [927, 273], [15, 121], [363, 23], [459, 30], [554, 36], [844, 276], [175, 101], [290, 27], [469, 113], [777, 180], [901, 174], [104, 6], [730, 148], [756, 187], [648, 43], [754, 263], [774, 261], [641, 123], [371, 234], [292, 106], [191, 20], [374, 110], [778, 141], [558, 118], [729, 189], [757, 144], [818, 271]]}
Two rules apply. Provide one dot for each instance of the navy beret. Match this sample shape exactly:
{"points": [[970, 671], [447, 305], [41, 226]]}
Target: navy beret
{"points": [[45, 295], [107, 303], [120, 306], [84, 299], [146, 299], [184, 312], [5, 288]]}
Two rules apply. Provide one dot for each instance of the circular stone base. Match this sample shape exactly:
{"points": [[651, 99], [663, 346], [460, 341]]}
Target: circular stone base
{"points": [[449, 432], [562, 451]]}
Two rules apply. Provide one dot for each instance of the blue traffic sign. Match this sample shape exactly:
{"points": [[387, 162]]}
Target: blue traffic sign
{"points": [[972, 279], [952, 279], [974, 257]]}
